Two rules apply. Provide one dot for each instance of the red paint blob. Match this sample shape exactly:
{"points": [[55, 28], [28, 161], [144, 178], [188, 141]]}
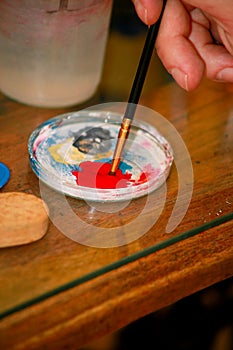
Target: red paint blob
{"points": [[96, 175]]}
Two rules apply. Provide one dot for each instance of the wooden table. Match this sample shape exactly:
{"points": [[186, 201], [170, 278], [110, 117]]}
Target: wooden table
{"points": [[56, 293]]}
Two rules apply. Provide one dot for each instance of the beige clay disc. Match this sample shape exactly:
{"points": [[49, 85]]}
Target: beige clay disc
{"points": [[23, 218]]}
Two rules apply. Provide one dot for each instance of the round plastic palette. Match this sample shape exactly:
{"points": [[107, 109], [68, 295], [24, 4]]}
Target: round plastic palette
{"points": [[68, 153]]}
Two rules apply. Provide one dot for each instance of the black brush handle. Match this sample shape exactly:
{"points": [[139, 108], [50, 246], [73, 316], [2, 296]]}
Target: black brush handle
{"points": [[143, 67]]}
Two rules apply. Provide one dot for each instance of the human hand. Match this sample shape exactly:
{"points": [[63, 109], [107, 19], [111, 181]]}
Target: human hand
{"points": [[195, 38]]}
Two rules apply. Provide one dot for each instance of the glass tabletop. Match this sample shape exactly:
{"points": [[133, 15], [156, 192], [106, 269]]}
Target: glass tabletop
{"points": [[197, 195]]}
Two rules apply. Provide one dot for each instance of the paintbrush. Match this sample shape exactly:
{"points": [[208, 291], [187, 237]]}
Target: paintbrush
{"points": [[136, 91]]}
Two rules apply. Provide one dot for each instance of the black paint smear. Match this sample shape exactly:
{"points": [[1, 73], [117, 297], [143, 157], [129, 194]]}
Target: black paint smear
{"points": [[93, 141]]}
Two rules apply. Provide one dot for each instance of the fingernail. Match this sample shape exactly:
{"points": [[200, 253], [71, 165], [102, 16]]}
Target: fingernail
{"points": [[225, 74], [142, 11], [180, 77]]}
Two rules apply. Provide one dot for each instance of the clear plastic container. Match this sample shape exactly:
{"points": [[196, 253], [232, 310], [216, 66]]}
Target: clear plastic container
{"points": [[52, 51]]}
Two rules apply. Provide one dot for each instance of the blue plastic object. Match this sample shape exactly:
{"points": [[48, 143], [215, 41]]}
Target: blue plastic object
{"points": [[4, 174]]}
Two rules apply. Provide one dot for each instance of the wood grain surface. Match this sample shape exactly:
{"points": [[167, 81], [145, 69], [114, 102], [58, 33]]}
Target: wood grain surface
{"points": [[67, 294]]}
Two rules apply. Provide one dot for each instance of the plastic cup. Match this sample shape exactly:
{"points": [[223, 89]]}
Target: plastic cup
{"points": [[52, 52]]}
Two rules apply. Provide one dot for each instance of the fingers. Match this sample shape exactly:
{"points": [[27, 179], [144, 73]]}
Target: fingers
{"points": [[174, 48], [148, 10], [218, 61], [185, 42]]}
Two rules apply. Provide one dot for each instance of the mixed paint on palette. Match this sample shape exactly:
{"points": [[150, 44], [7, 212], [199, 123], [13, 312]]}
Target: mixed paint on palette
{"points": [[81, 154]]}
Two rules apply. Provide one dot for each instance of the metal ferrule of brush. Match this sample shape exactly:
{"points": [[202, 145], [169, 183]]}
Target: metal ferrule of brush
{"points": [[122, 137]]}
